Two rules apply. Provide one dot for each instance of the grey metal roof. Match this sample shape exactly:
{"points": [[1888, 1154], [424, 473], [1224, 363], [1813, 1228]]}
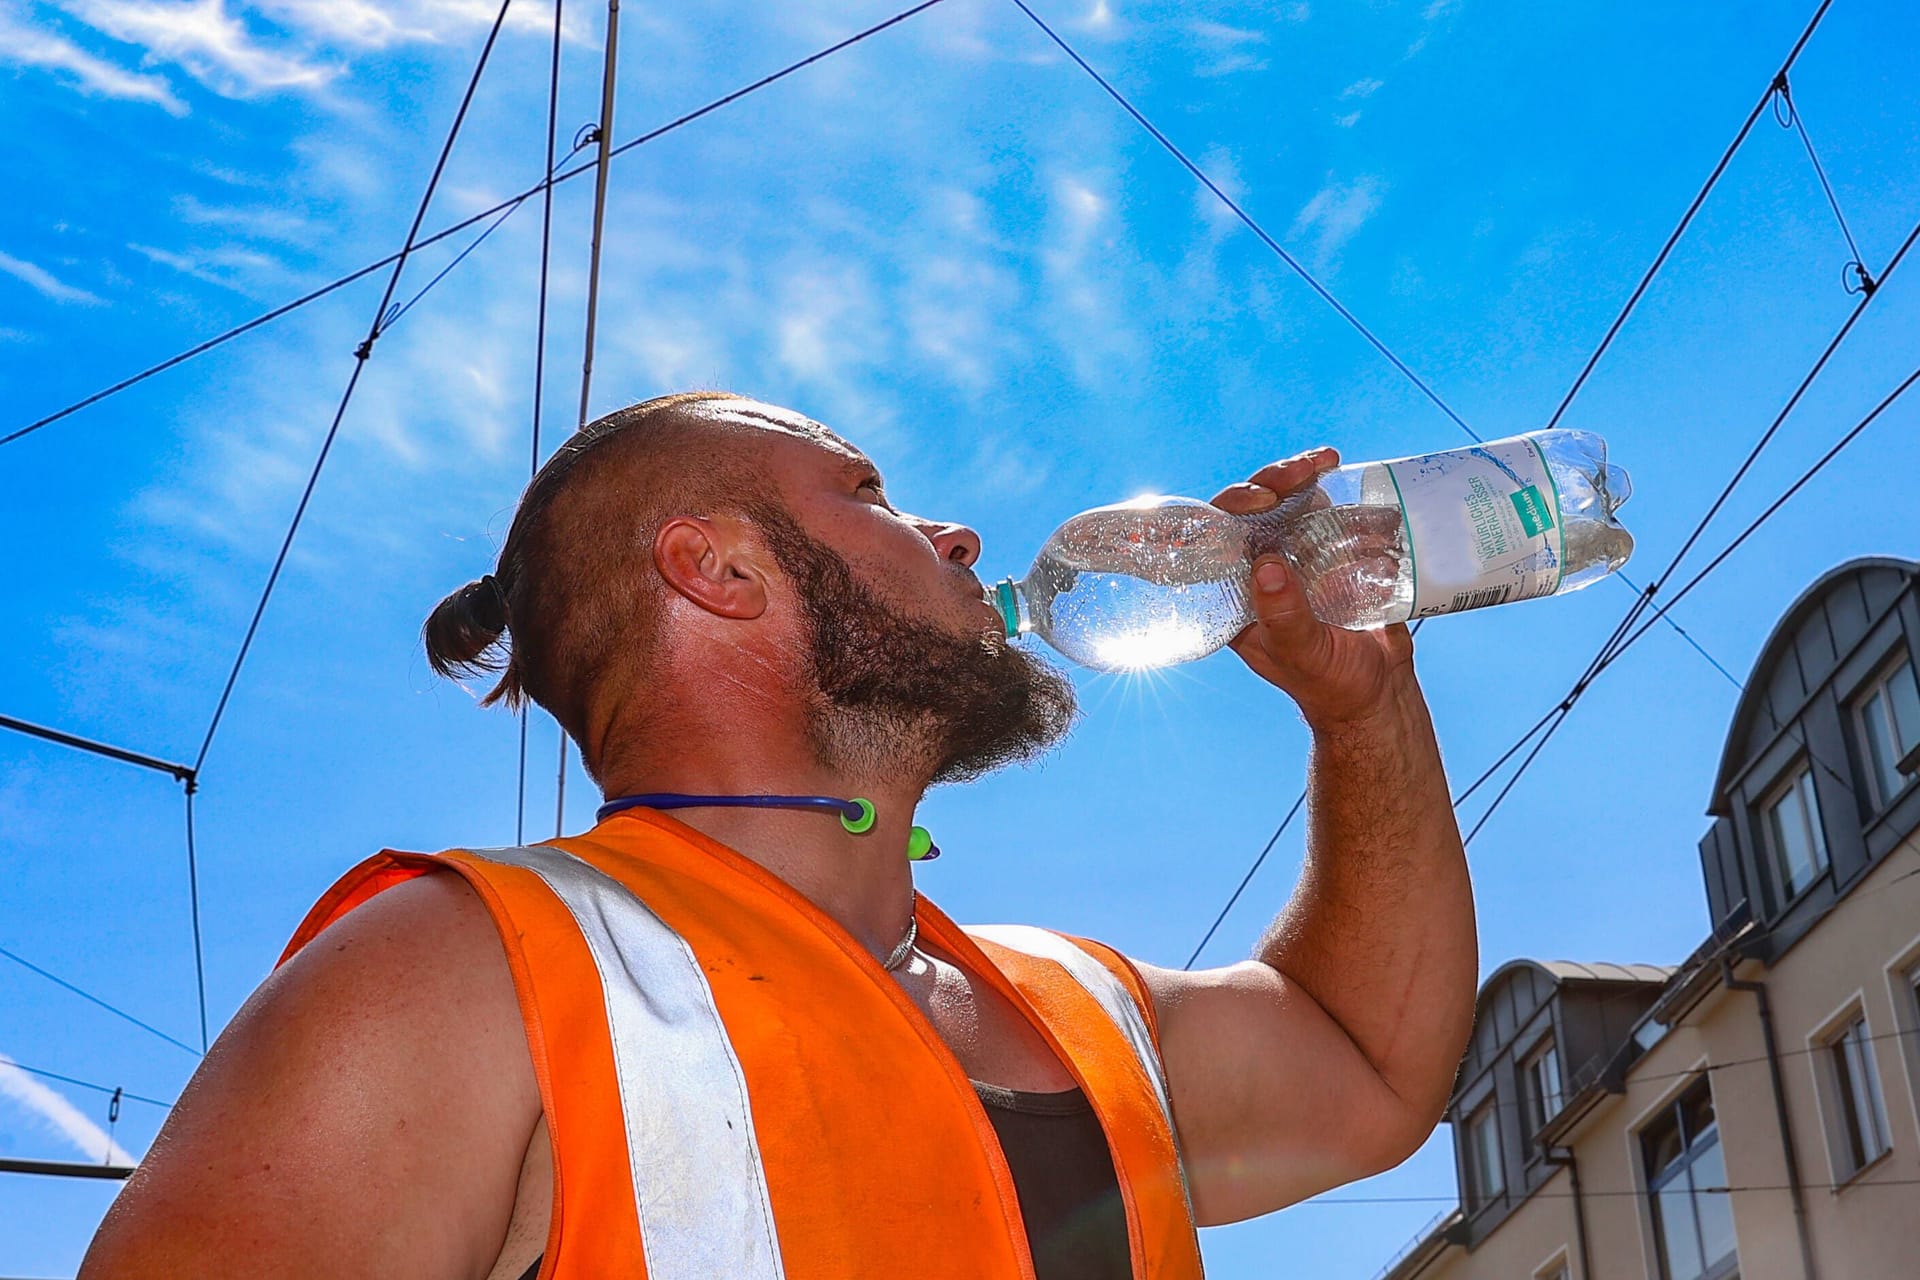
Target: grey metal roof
{"points": [[1606, 971]]}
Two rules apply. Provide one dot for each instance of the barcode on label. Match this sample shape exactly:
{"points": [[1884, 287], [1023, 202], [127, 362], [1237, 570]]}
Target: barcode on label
{"points": [[1480, 599]]}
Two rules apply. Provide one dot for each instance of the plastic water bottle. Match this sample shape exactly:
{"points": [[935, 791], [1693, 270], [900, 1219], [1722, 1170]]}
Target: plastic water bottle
{"points": [[1160, 580]]}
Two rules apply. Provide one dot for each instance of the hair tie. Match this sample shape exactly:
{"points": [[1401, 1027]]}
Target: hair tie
{"points": [[491, 609]]}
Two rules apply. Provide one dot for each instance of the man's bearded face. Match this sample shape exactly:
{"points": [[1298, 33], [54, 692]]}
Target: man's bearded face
{"points": [[890, 685]]}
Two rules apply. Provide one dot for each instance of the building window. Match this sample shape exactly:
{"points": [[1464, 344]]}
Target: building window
{"points": [[1859, 1125], [1486, 1178], [1540, 1088], [1796, 846], [1887, 718], [1687, 1190]]}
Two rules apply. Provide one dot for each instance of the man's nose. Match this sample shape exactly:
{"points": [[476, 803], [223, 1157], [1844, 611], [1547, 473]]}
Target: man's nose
{"points": [[954, 542]]}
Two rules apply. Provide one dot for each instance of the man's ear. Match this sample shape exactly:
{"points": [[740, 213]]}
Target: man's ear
{"points": [[713, 562]]}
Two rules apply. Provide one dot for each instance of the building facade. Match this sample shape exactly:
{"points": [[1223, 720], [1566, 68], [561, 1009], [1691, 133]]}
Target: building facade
{"points": [[1753, 1111]]}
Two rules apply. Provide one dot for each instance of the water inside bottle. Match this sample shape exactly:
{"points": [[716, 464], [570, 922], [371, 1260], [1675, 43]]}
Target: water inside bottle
{"points": [[1121, 622]]}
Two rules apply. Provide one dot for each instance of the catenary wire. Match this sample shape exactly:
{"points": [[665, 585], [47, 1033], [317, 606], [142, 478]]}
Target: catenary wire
{"points": [[1623, 632], [360, 357], [1563, 709], [540, 361], [84, 1084], [1759, 446], [1686, 219], [472, 220], [180, 772], [1589, 1193], [1805, 477], [1292, 263], [1865, 282], [88, 996], [415, 242], [193, 900], [603, 171]]}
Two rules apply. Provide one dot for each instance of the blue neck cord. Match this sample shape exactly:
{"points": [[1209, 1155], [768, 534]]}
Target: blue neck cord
{"points": [[856, 814]]}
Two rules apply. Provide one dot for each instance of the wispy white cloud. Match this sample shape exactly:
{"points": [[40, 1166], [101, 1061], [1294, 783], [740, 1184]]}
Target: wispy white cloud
{"points": [[1084, 311], [264, 223], [23, 44], [1228, 48], [1222, 33], [1348, 120], [211, 44], [1335, 214], [60, 1116], [1364, 88], [1439, 9], [367, 24], [214, 266], [44, 282]]}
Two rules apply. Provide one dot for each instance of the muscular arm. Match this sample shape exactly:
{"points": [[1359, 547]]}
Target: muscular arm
{"points": [[1330, 1055], [366, 1113]]}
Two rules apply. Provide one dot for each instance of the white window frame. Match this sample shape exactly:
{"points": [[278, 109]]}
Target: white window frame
{"points": [[1881, 683], [1558, 1266], [1903, 991], [1825, 1063], [1798, 781], [1548, 1106]]}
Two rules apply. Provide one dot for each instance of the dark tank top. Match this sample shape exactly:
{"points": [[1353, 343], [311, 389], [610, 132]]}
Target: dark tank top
{"points": [[1063, 1174]]}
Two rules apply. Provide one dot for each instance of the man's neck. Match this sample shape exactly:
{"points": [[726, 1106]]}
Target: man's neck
{"points": [[864, 881]]}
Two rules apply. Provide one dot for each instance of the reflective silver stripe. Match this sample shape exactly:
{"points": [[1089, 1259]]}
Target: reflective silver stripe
{"points": [[1108, 991], [699, 1186]]}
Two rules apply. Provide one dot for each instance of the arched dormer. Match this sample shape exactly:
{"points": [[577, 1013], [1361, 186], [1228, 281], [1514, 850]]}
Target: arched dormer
{"points": [[1543, 1031], [1810, 791]]}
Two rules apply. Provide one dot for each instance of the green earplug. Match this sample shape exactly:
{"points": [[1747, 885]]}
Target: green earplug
{"points": [[864, 822]]}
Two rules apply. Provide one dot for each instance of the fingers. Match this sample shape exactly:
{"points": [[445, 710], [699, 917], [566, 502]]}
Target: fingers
{"points": [[1275, 481], [1284, 623]]}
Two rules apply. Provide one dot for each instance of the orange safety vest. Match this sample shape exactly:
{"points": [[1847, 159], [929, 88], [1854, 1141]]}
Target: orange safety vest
{"points": [[735, 1089]]}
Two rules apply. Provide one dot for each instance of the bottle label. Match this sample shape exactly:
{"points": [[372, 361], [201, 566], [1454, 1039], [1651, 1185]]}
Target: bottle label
{"points": [[1483, 525]]}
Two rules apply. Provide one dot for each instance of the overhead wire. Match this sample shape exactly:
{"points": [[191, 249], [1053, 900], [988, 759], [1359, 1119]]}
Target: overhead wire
{"points": [[1623, 633], [1753, 526], [415, 241], [1293, 264], [471, 220], [540, 358], [179, 772], [1557, 714], [84, 1084], [361, 355], [1686, 219], [1863, 281], [91, 998], [603, 134]]}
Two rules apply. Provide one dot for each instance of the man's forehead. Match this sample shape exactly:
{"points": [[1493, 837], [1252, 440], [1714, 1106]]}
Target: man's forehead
{"points": [[757, 416]]}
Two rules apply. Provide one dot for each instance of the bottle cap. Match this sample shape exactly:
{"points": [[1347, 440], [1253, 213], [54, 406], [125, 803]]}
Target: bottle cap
{"points": [[1004, 596]]}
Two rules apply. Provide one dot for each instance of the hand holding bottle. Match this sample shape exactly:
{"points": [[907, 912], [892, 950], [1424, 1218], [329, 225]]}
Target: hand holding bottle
{"points": [[1335, 675], [1160, 580]]}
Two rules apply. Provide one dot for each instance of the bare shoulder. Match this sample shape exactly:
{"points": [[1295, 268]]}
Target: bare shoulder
{"points": [[366, 1112]]}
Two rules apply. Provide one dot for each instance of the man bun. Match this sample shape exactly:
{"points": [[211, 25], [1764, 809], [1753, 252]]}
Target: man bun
{"points": [[463, 633]]}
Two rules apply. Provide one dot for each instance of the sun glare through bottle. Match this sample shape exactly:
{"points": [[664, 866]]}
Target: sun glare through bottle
{"points": [[1162, 580]]}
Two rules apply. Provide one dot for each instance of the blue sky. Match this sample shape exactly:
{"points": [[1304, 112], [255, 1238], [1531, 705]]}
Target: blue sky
{"points": [[948, 244]]}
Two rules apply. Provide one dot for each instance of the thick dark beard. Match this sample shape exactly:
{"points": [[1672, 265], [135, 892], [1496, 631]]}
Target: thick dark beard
{"points": [[898, 694]]}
